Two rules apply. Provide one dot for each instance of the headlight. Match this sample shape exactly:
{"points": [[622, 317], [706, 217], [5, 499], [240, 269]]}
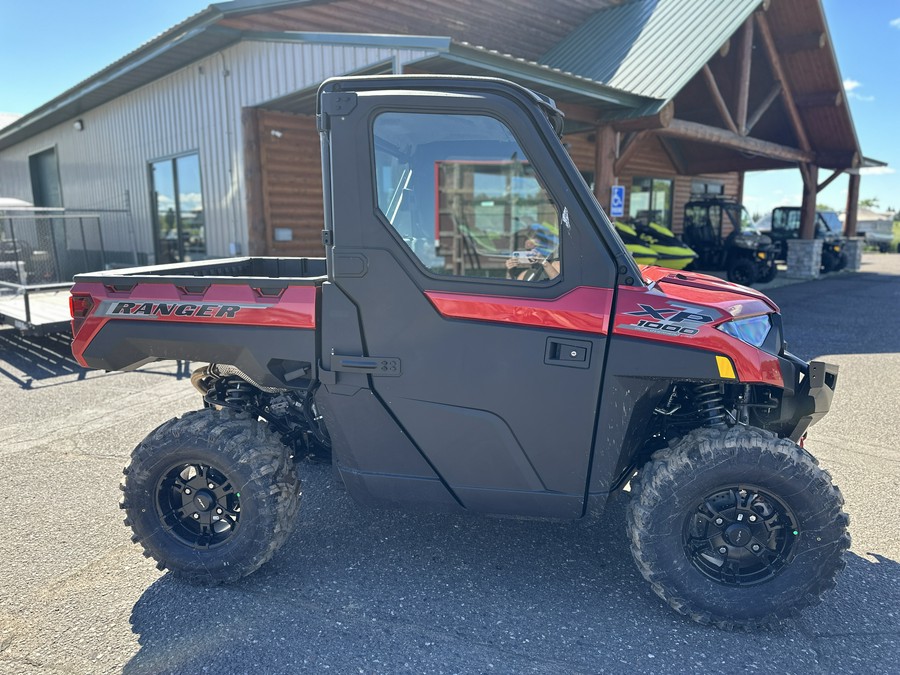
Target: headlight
{"points": [[753, 330]]}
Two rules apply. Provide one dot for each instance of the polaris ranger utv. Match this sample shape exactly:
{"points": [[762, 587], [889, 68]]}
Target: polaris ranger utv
{"points": [[440, 374]]}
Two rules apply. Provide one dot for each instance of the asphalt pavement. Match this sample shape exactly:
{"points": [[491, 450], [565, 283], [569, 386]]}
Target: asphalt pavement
{"points": [[357, 590]]}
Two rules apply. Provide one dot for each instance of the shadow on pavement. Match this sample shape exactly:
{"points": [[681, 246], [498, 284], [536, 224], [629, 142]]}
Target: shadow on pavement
{"points": [[360, 590], [30, 360]]}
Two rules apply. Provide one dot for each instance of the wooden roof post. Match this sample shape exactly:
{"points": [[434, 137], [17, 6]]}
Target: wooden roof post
{"points": [[852, 205], [257, 239], [808, 206], [604, 165]]}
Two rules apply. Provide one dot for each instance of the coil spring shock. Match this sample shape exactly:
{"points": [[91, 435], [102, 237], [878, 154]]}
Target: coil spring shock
{"points": [[710, 404], [239, 394]]}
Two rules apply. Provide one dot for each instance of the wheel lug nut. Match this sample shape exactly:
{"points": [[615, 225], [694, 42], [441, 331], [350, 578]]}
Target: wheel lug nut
{"points": [[752, 519], [187, 491], [196, 516], [719, 521], [723, 550], [219, 511], [755, 548], [212, 486]]}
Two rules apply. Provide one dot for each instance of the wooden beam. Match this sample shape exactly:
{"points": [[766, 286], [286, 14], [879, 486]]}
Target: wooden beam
{"points": [[775, 61], [579, 112], [703, 133], [725, 48], [627, 150], [657, 121], [745, 57], [762, 107], [257, 237], [718, 100], [819, 99], [804, 42], [825, 183], [808, 205], [852, 205], [604, 164]]}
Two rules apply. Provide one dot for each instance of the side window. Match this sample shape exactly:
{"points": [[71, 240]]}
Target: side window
{"points": [[464, 197]]}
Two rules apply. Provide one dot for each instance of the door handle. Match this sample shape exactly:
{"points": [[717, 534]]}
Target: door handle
{"points": [[567, 352]]}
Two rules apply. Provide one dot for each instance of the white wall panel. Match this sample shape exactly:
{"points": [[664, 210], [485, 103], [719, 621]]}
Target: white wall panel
{"points": [[196, 109]]}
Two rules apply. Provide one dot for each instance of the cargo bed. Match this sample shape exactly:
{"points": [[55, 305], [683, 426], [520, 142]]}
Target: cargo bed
{"points": [[257, 314]]}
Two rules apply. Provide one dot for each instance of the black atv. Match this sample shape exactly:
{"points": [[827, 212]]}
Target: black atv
{"points": [[786, 226], [724, 237]]}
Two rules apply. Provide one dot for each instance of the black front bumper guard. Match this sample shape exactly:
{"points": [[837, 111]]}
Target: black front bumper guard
{"points": [[807, 401]]}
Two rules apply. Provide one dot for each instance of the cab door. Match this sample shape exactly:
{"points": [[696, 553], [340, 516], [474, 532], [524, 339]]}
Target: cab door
{"points": [[482, 289]]}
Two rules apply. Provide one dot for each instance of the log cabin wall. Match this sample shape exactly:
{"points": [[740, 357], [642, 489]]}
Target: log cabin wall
{"points": [[291, 184]]}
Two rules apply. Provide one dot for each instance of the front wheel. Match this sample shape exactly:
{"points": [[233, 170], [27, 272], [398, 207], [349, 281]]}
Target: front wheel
{"points": [[769, 274], [737, 528], [211, 496]]}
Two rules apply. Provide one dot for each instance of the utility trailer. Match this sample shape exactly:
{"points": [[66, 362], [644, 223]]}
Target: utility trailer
{"points": [[434, 377], [40, 251]]}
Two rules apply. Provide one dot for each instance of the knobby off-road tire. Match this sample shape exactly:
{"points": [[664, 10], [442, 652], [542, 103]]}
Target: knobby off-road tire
{"points": [[742, 271], [799, 529], [211, 496]]}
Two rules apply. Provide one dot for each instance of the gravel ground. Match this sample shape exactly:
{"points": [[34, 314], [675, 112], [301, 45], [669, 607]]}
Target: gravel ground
{"points": [[357, 590]]}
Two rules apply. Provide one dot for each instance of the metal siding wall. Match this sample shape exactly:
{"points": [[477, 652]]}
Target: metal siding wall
{"points": [[196, 109]]}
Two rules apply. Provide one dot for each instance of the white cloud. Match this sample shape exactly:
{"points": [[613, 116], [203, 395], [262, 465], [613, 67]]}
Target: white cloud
{"points": [[850, 86], [896, 23], [877, 171]]}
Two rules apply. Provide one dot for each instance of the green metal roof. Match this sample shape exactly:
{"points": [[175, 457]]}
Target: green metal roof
{"points": [[649, 47]]}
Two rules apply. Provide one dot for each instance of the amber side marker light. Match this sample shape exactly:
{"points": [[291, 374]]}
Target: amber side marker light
{"points": [[726, 368]]}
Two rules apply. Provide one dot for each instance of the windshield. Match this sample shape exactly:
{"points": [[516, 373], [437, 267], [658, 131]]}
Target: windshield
{"points": [[741, 219], [831, 220]]}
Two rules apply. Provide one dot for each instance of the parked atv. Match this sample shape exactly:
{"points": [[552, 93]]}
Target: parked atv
{"points": [[724, 237], [639, 250], [786, 226], [670, 250]]}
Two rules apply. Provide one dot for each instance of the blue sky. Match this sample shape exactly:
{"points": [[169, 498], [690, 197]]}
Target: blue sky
{"points": [[49, 46]]}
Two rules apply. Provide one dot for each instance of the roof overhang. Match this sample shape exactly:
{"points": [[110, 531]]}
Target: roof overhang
{"points": [[200, 36]]}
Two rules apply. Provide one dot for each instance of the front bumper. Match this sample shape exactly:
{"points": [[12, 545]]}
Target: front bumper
{"points": [[807, 401]]}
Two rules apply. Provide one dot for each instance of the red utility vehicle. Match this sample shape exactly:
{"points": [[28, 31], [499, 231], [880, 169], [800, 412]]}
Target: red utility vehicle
{"points": [[477, 339]]}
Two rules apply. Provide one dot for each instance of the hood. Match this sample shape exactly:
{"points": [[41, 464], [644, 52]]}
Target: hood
{"points": [[703, 289]]}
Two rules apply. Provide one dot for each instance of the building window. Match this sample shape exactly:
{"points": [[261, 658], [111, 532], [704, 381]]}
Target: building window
{"points": [[461, 193], [177, 201], [651, 201]]}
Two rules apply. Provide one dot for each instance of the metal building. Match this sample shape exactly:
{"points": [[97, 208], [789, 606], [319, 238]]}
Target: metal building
{"points": [[202, 142]]}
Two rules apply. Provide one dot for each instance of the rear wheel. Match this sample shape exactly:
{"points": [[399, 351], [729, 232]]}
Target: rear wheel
{"points": [[741, 271], [211, 496], [737, 528]]}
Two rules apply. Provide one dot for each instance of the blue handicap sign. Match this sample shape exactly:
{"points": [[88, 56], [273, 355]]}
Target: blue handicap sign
{"points": [[617, 201]]}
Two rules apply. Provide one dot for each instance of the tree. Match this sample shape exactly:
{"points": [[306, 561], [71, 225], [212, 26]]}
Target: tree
{"points": [[825, 207], [869, 203]]}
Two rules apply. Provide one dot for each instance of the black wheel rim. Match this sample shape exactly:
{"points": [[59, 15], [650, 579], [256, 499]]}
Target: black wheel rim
{"points": [[741, 275], [740, 535], [198, 505]]}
